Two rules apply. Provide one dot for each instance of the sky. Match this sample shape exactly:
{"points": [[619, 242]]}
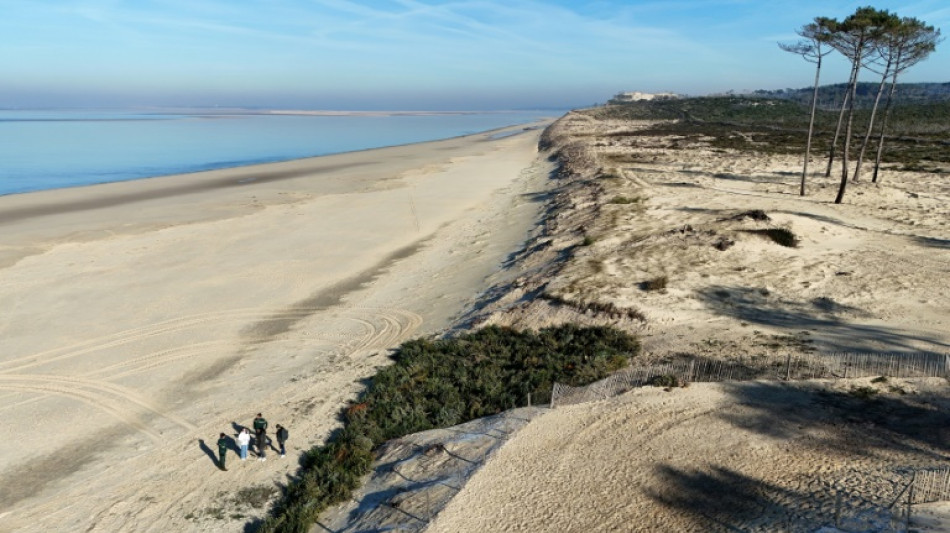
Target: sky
{"points": [[411, 54]]}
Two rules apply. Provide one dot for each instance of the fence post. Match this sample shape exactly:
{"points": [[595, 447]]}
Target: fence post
{"points": [[837, 507], [788, 367], [529, 399], [910, 499]]}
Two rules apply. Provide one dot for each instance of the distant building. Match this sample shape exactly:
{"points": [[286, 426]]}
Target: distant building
{"points": [[636, 96]]}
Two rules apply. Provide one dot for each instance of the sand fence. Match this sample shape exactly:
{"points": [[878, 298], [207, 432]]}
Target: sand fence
{"points": [[930, 486], [758, 367]]}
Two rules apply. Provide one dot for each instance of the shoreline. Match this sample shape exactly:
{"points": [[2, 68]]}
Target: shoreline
{"points": [[230, 183], [537, 122]]}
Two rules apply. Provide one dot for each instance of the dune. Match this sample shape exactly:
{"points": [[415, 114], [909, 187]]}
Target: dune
{"points": [[670, 239], [666, 237]]}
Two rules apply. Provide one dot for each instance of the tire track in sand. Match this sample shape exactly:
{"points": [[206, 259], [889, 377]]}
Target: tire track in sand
{"points": [[382, 327]]}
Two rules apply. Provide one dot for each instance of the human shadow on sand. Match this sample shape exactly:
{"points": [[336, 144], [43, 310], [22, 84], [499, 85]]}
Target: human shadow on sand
{"points": [[208, 451]]}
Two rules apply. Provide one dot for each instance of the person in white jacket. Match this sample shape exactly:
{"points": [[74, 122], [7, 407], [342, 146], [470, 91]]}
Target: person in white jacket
{"points": [[244, 440]]}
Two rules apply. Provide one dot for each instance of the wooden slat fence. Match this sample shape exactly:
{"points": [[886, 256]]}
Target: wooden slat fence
{"points": [[931, 486], [759, 367]]}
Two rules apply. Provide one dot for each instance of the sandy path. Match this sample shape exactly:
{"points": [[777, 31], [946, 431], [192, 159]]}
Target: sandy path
{"points": [[141, 319]]}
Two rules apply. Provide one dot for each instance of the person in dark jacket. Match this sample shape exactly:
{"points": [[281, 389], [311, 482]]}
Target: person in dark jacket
{"points": [[222, 451], [282, 435], [260, 436]]}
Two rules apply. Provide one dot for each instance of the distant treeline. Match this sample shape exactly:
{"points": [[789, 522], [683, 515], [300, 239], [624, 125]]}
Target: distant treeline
{"points": [[830, 96]]}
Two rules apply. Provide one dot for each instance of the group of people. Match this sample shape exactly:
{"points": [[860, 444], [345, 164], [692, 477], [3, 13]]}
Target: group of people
{"points": [[260, 441]]}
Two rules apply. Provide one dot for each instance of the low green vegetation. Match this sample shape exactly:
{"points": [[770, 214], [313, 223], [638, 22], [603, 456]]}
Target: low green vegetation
{"points": [[746, 123], [864, 393], [441, 383], [666, 381], [255, 496], [780, 236], [655, 284], [623, 200]]}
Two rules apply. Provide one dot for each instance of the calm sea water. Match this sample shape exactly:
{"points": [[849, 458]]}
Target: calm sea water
{"points": [[48, 150]]}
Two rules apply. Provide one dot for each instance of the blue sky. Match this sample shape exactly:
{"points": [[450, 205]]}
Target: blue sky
{"points": [[409, 54]]}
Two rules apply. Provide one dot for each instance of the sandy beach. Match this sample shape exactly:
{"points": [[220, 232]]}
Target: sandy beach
{"points": [[129, 345], [142, 318]]}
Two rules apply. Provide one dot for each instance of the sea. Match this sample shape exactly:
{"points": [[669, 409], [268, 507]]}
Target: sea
{"points": [[51, 149]]}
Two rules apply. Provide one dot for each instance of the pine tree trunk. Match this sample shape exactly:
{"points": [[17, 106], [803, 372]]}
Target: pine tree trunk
{"points": [[880, 141], [853, 87], [834, 141], [811, 125], [867, 135]]}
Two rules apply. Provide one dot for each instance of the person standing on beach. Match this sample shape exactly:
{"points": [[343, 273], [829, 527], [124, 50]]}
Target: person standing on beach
{"points": [[282, 435], [260, 434], [222, 451], [244, 440]]}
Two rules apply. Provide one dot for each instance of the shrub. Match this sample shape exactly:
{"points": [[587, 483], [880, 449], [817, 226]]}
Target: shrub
{"points": [[879, 379], [622, 200], [780, 236], [664, 380], [864, 393], [441, 383], [655, 284], [255, 496], [755, 214]]}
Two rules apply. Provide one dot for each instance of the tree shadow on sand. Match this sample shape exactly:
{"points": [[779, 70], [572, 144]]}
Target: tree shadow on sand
{"points": [[721, 499], [876, 443], [916, 426], [933, 242], [718, 498], [822, 315]]}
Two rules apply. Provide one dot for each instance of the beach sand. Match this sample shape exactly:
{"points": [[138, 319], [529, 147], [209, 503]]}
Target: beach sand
{"points": [[142, 318]]}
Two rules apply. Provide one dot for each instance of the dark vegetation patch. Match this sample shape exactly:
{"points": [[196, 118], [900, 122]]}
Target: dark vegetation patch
{"points": [[441, 383], [656, 284], [864, 393], [608, 309], [624, 200], [667, 381], [781, 236], [255, 496], [755, 214], [723, 243], [920, 131]]}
